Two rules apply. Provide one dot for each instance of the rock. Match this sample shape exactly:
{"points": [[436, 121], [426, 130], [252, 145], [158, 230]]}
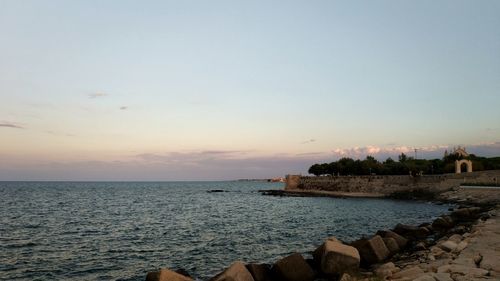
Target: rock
{"points": [[293, 268], [166, 275], [442, 276], [448, 246], [436, 251], [443, 222], [477, 259], [386, 270], [466, 214], [391, 245], [460, 229], [461, 246], [184, 272], [236, 272], [420, 246], [409, 273], [334, 239], [337, 258], [347, 277], [427, 277], [260, 272], [455, 238], [372, 250], [462, 270], [412, 232], [391, 234]]}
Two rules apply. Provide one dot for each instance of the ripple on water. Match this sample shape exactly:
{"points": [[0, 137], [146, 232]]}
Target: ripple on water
{"points": [[119, 231]]}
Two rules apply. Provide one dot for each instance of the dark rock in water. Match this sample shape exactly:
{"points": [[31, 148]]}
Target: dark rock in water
{"points": [[293, 268], [260, 272], [372, 250], [392, 245], [236, 272], [215, 190], [391, 234], [166, 275]]}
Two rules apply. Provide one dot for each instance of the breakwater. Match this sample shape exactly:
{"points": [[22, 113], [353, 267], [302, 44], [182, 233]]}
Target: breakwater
{"points": [[387, 185]]}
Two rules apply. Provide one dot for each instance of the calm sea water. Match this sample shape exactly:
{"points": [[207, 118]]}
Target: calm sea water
{"points": [[121, 230]]}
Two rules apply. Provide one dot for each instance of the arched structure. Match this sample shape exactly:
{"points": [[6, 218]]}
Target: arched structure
{"points": [[458, 165]]}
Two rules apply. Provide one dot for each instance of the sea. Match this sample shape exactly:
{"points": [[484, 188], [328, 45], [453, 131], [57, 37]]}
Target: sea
{"points": [[122, 230]]}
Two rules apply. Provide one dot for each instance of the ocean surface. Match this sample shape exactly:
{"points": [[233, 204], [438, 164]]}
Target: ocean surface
{"points": [[122, 230]]}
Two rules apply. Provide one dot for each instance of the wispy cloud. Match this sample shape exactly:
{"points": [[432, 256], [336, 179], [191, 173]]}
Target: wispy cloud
{"points": [[308, 141], [10, 125], [123, 107], [60, 134], [97, 95]]}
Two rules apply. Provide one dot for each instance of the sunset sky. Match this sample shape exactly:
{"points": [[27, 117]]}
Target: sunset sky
{"points": [[193, 90]]}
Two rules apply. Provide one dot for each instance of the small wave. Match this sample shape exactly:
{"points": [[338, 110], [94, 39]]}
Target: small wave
{"points": [[20, 245]]}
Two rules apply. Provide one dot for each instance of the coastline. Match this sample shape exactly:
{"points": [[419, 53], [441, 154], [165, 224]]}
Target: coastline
{"points": [[459, 246], [320, 193]]}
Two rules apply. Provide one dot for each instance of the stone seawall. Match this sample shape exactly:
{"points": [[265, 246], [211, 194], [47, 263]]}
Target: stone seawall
{"points": [[389, 184]]}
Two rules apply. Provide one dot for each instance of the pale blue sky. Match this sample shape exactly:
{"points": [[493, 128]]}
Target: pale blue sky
{"points": [[193, 87]]}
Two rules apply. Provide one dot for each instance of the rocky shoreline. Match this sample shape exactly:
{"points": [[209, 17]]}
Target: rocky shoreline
{"points": [[459, 246]]}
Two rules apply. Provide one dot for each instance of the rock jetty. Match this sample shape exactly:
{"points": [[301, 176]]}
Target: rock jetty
{"points": [[460, 246]]}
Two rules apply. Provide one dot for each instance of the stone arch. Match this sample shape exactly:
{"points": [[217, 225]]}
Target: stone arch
{"points": [[458, 165]]}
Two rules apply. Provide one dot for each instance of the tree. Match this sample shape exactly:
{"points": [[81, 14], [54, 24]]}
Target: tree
{"points": [[402, 158]]}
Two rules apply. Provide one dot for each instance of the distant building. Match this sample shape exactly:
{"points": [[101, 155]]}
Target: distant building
{"points": [[461, 152]]}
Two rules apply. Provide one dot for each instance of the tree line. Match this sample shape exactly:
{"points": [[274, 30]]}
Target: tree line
{"points": [[403, 166]]}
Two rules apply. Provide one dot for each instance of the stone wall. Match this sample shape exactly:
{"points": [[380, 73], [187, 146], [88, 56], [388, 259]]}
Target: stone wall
{"points": [[389, 184]]}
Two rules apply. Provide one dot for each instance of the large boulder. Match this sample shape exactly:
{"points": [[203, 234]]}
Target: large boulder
{"points": [[412, 232], [236, 272], [448, 246], [260, 272], [443, 222], [293, 268], [465, 214], [391, 245], [372, 250], [391, 234], [166, 275], [334, 257]]}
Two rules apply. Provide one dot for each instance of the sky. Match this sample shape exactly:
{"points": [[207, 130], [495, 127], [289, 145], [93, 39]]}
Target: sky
{"points": [[219, 90]]}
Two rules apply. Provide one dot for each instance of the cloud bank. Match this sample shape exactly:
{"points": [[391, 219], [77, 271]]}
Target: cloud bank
{"points": [[208, 164]]}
